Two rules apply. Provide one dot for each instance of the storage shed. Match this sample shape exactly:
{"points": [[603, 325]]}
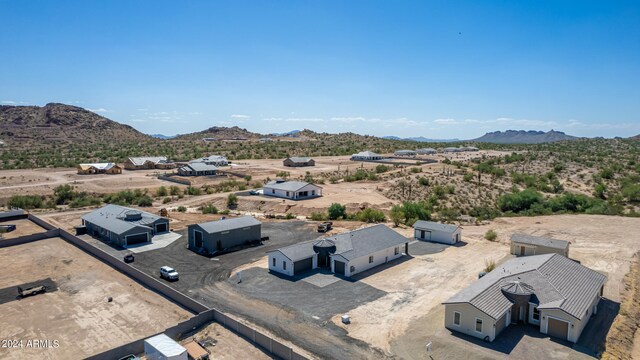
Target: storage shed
{"points": [[525, 245], [162, 347], [437, 232], [221, 235]]}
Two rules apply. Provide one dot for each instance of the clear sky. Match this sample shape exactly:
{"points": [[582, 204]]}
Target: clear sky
{"points": [[439, 69]]}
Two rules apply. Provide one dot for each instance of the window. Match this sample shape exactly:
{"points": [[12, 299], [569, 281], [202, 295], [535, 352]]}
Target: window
{"points": [[273, 191], [287, 194], [284, 265], [313, 193], [536, 314], [370, 259], [396, 251], [274, 262], [456, 318], [479, 325]]}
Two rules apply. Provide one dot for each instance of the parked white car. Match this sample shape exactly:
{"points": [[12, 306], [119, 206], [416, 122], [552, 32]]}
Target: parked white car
{"points": [[168, 273]]}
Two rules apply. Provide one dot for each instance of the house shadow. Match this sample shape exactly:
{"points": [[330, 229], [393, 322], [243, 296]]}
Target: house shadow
{"points": [[507, 340], [592, 340], [377, 269]]}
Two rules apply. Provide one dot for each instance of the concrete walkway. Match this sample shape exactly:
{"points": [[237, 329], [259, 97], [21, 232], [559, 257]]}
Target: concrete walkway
{"points": [[157, 242]]}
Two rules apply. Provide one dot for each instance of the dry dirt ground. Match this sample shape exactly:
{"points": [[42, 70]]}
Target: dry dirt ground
{"points": [[75, 311], [602, 243], [23, 227], [228, 346]]}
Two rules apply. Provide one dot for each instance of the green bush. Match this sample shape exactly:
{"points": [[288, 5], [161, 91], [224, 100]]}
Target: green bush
{"points": [[397, 214], [290, 216], [382, 168], [27, 201], [162, 191], [468, 177], [370, 215], [145, 201], [174, 190], [337, 211], [232, 200], [519, 201], [166, 200], [423, 181], [181, 208], [316, 216], [491, 235], [209, 209]]}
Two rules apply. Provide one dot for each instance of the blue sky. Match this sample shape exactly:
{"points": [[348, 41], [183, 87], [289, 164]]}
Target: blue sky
{"points": [[439, 69]]}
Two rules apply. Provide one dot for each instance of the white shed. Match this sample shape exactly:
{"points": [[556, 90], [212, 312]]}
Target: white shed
{"points": [[162, 347], [437, 232]]}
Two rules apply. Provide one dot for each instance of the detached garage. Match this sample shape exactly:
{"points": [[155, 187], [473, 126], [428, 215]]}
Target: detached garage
{"points": [[293, 260], [225, 234], [437, 232]]}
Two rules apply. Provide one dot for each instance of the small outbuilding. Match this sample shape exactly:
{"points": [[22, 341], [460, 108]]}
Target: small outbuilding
{"points": [[366, 156], [225, 234], [526, 245], [295, 161], [437, 232], [124, 226], [162, 347], [294, 190]]}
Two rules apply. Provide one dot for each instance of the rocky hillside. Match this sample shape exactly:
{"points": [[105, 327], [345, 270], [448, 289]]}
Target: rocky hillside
{"points": [[221, 133], [22, 126], [524, 137]]}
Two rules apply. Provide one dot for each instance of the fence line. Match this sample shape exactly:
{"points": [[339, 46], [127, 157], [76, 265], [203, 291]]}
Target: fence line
{"points": [[29, 238], [172, 179]]}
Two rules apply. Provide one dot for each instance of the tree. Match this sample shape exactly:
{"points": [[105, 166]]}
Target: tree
{"points": [[397, 214], [232, 200], [63, 194], [337, 211], [370, 215], [162, 191]]}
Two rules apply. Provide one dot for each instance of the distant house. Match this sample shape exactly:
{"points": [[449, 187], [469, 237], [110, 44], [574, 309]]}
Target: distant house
{"points": [[426, 151], [526, 245], [409, 153], [450, 150], [552, 292], [99, 168], [294, 190], [217, 160], [197, 169], [345, 254], [298, 161], [437, 232], [124, 226], [152, 162], [366, 156], [265, 139], [221, 235], [469, 148]]}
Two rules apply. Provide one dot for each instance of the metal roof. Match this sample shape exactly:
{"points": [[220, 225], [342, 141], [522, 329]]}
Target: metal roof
{"points": [[430, 225], [556, 281], [11, 213], [229, 224], [210, 158], [98, 166], [200, 166], [539, 241], [426, 151], [112, 217], [165, 345], [350, 245], [287, 185], [139, 161], [405, 152], [298, 159], [366, 154]]}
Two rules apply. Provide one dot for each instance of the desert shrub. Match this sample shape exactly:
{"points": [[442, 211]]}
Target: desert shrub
{"points": [[439, 191], [468, 177], [174, 190], [145, 201], [484, 212], [209, 209], [416, 170], [190, 190], [232, 200], [519, 201], [423, 181], [247, 178], [489, 265], [397, 214], [162, 191], [370, 215], [316, 216], [181, 208], [337, 211], [290, 216], [225, 212], [491, 235], [415, 211], [382, 168], [606, 173], [166, 200]]}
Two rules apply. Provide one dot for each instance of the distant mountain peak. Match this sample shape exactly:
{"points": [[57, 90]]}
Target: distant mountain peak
{"points": [[524, 137]]}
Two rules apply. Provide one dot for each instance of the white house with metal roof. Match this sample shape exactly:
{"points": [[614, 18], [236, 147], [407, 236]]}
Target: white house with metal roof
{"points": [[217, 160], [124, 226], [224, 234], [148, 162], [366, 156], [294, 190], [551, 292], [526, 245], [437, 232], [345, 254], [197, 169]]}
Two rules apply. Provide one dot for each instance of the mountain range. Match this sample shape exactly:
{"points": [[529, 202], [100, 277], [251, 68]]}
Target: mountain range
{"points": [[524, 137], [420, 139]]}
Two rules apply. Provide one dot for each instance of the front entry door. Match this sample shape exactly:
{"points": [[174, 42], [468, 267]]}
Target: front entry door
{"points": [[522, 248]]}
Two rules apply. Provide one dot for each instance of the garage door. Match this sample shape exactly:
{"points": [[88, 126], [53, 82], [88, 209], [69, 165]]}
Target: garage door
{"points": [[137, 239], [338, 267], [501, 323], [302, 265], [160, 228], [558, 328]]}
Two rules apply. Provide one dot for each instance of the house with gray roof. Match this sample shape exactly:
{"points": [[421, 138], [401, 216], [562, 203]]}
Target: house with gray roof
{"points": [[294, 190], [426, 151], [197, 169], [124, 226], [217, 160], [296, 161], [148, 162], [437, 232], [408, 153], [550, 291], [224, 235], [526, 245], [366, 156], [344, 254]]}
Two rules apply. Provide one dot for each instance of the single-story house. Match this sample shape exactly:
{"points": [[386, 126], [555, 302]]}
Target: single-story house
{"points": [[552, 292], [217, 160], [405, 153], [162, 347], [426, 151], [124, 226], [450, 149], [437, 232], [366, 155], [99, 168], [294, 190], [525, 245], [197, 169], [469, 148], [298, 161], [223, 234], [345, 254], [148, 162]]}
